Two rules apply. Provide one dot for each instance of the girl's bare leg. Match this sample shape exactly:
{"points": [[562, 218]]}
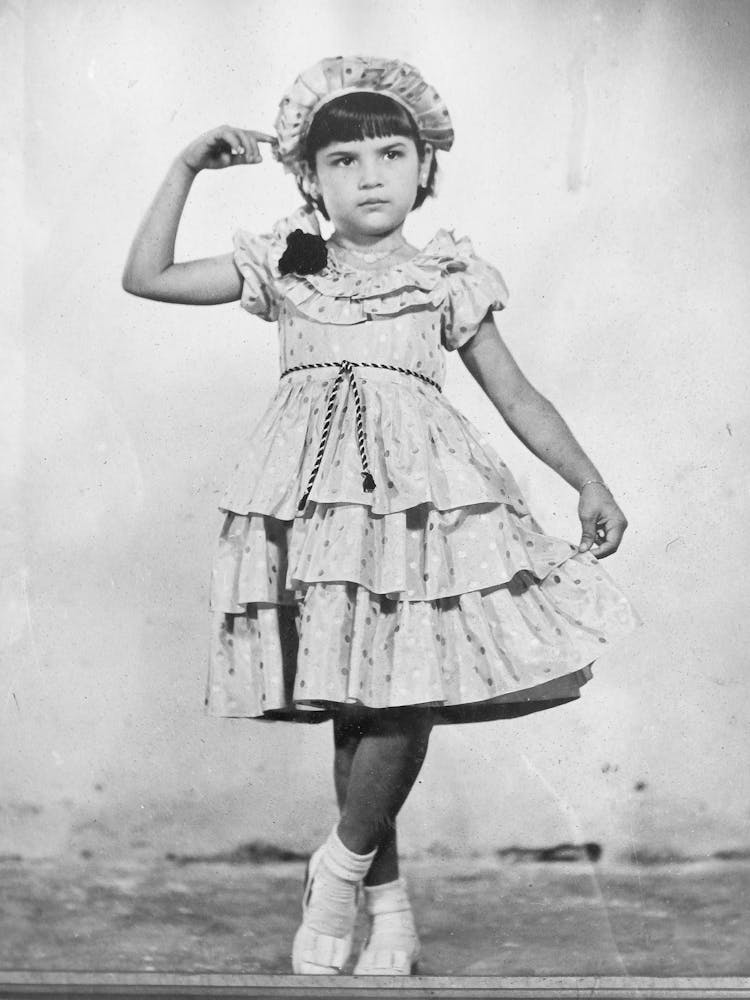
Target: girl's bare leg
{"points": [[346, 737], [379, 754]]}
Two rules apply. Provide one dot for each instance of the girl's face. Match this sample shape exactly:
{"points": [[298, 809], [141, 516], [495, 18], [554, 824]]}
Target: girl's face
{"points": [[369, 185]]}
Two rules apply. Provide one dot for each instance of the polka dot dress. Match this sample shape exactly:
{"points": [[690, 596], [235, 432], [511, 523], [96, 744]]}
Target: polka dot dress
{"points": [[437, 587]]}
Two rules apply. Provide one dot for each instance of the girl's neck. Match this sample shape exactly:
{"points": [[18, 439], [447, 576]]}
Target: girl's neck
{"points": [[372, 251], [365, 243]]}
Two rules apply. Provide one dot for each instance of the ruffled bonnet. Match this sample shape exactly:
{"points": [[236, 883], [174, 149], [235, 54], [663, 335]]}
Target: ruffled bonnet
{"points": [[331, 78]]}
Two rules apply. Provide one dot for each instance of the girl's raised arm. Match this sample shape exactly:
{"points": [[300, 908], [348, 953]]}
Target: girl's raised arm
{"points": [[150, 271]]}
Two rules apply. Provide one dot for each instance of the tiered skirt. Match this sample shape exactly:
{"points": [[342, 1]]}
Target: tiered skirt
{"points": [[439, 589]]}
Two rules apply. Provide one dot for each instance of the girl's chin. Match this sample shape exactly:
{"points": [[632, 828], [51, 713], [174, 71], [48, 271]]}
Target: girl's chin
{"points": [[375, 221], [372, 224]]}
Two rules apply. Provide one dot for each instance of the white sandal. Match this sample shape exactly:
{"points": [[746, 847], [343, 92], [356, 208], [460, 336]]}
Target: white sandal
{"points": [[313, 953], [392, 947]]}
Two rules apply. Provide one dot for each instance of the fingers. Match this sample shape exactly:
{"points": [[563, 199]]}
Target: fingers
{"points": [[611, 536], [242, 146], [225, 148], [262, 137], [233, 146], [604, 539], [603, 525], [589, 533], [248, 144]]}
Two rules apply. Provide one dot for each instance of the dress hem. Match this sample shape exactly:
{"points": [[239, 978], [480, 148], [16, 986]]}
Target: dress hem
{"points": [[509, 705]]}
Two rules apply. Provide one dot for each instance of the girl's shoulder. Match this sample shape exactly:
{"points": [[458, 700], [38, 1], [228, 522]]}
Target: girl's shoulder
{"points": [[450, 253], [257, 256], [474, 286], [463, 269]]}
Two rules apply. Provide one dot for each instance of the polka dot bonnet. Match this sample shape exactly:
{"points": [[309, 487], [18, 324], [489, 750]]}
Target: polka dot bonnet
{"points": [[331, 78]]}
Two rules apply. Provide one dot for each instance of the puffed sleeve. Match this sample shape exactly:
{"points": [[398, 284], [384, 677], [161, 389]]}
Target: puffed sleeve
{"points": [[474, 288], [256, 257]]}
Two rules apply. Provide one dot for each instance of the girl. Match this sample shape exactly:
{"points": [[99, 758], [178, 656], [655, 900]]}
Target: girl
{"points": [[378, 565]]}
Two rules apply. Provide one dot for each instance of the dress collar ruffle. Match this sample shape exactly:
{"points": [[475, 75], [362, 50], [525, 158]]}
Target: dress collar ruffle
{"points": [[343, 294]]}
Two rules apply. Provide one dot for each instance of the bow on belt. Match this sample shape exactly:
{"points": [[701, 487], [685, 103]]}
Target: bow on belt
{"points": [[346, 370]]}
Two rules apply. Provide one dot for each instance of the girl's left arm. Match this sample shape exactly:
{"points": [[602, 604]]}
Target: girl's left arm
{"points": [[536, 422]]}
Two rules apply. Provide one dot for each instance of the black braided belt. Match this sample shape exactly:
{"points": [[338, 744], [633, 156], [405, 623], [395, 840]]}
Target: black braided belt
{"points": [[346, 369]]}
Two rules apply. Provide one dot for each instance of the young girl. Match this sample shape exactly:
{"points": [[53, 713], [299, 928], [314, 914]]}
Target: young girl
{"points": [[378, 565]]}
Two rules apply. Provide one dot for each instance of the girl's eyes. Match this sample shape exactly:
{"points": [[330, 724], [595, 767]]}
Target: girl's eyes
{"points": [[390, 154]]}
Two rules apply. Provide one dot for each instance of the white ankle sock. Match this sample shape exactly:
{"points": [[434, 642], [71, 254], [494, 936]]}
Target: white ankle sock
{"points": [[389, 897], [332, 907], [345, 863], [388, 905]]}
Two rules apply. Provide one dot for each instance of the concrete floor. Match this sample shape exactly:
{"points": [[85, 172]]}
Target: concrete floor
{"points": [[481, 917]]}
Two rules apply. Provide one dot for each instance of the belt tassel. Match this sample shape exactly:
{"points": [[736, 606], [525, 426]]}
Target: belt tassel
{"points": [[346, 370]]}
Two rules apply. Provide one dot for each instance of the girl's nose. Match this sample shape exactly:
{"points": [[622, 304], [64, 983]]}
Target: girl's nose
{"points": [[369, 176]]}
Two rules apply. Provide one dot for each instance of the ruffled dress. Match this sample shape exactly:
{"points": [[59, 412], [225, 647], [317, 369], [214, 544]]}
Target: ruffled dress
{"points": [[437, 588]]}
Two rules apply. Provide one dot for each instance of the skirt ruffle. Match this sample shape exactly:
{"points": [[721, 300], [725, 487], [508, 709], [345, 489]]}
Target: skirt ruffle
{"points": [[473, 611]]}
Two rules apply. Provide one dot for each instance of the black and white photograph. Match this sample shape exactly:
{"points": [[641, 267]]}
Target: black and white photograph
{"points": [[376, 475]]}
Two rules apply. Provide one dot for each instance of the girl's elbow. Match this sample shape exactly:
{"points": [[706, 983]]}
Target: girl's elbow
{"points": [[130, 283], [137, 286]]}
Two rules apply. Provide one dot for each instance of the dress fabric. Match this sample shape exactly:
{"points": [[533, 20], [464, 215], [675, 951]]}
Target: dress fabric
{"points": [[438, 587]]}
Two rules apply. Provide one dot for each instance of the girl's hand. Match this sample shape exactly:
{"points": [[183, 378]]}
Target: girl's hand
{"points": [[603, 522], [225, 146]]}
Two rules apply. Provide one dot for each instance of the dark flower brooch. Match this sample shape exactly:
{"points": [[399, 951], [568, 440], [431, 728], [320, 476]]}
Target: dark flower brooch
{"points": [[305, 253]]}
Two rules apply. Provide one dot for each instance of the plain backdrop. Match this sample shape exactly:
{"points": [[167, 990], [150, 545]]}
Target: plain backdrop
{"points": [[600, 163]]}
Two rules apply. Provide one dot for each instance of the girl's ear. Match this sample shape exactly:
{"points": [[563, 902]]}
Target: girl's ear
{"points": [[425, 163], [310, 183]]}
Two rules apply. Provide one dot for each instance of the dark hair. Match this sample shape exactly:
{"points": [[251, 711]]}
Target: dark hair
{"points": [[358, 116]]}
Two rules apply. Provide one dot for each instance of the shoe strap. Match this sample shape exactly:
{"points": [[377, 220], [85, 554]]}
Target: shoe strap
{"points": [[385, 958], [325, 950], [387, 961]]}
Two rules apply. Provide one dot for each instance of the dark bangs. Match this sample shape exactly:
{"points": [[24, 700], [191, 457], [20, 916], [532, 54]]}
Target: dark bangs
{"points": [[357, 116]]}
